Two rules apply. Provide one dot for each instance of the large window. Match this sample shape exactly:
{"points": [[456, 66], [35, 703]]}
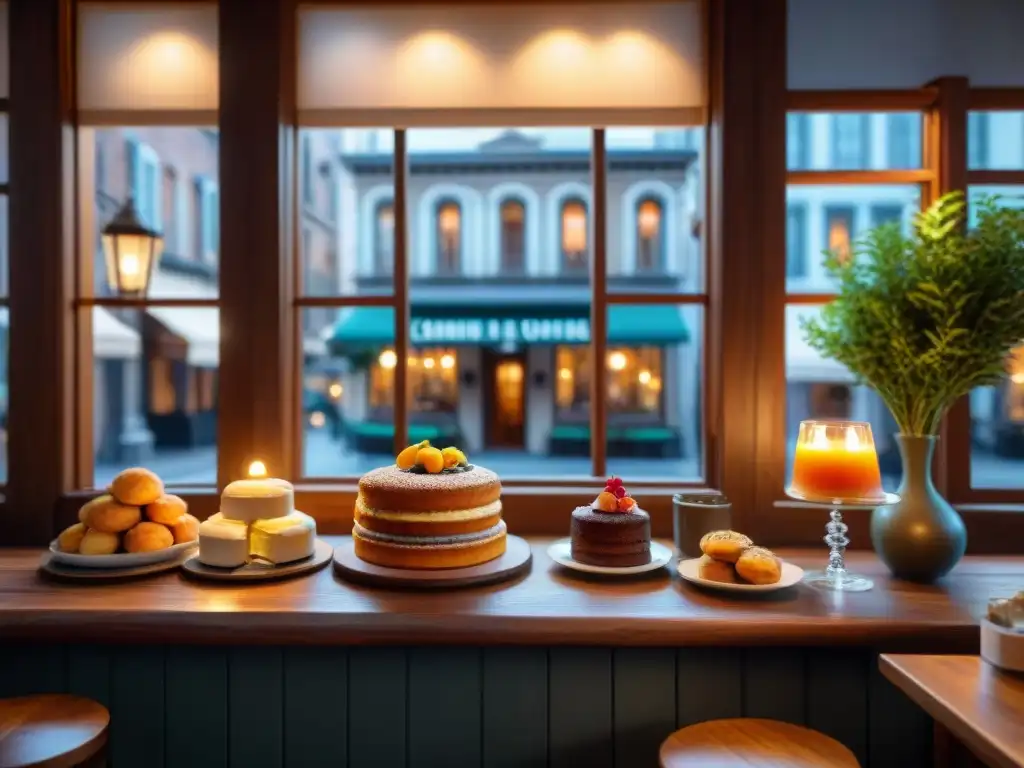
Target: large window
{"points": [[650, 239], [384, 239], [573, 223], [449, 237], [850, 141], [513, 236]]}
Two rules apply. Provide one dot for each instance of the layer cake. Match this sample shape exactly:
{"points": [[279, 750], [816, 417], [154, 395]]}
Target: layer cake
{"points": [[412, 517], [612, 532]]}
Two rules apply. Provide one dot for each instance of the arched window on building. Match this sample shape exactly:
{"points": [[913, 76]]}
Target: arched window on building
{"points": [[650, 235], [574, 236], [384, 239], [513, 241], [449, 237]]}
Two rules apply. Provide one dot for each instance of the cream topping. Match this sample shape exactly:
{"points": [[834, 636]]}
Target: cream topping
{"points": [[439, 516]]}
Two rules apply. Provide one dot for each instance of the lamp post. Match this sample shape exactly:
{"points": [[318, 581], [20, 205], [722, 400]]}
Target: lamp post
{"points": [[130, 250]]}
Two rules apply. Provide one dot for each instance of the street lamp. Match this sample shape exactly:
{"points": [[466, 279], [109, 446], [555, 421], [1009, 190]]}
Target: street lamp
{"points": [[130, 249]]}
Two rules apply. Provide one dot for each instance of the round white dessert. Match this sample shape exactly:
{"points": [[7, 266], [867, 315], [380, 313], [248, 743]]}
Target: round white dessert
{"points": [[260, 499]]}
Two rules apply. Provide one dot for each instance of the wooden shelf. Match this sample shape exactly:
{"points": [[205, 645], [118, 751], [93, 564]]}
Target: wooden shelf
{"points": [[547, 607]]}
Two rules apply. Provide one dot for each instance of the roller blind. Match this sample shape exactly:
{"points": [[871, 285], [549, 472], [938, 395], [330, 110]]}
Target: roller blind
{"points": [[150, 63], [476, 64]]}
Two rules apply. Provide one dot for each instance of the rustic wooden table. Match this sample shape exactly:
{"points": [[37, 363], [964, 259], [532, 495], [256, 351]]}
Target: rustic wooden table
{"points": [[979, 705]]}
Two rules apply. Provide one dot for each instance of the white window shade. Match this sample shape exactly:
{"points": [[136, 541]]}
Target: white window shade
{"points": [[502, 64], [152, 63]]}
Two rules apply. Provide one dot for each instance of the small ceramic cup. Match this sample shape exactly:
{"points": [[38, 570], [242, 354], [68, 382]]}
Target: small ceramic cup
{"points": [[697, 513]]}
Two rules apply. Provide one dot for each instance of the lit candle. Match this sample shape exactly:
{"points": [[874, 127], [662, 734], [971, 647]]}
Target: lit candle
{"points": [[836, 460]]}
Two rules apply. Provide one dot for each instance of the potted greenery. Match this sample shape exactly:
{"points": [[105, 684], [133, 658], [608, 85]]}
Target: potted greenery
{"points": [[922, 319]]}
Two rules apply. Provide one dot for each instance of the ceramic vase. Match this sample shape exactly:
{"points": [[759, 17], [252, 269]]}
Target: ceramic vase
{"points": [[921, 537]]}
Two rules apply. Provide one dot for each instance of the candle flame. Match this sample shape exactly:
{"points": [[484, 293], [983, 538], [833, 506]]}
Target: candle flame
{"points": [[820, 437], [852, 439], [257, 469]]}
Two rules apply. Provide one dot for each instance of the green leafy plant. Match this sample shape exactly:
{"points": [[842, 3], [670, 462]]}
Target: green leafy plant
{"points": [[922, 319]]}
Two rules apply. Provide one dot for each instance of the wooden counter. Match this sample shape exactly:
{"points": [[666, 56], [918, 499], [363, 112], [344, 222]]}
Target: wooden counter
{"points": [[548, 607]]}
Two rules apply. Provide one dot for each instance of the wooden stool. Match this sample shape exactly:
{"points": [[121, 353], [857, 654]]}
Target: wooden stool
{"points": [[51, 731], [747, 742]]}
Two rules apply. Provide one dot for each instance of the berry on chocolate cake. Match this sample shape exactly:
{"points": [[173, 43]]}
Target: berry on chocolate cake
{"points": [[612, 531]]}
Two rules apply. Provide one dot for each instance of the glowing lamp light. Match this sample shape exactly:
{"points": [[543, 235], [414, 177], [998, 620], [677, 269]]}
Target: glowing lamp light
{"points": [[644, 377], [428, 363], [257, 469], [336, 390], [130, 250], [564, 374], [317, 419], [447, 362], [388, 359], [1017, 378], [617, 361]]}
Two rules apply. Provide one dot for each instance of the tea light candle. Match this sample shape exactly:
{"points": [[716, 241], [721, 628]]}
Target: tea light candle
{"points": [[836, 461]]}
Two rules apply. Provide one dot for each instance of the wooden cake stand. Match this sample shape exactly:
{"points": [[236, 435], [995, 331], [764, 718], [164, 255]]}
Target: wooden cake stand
{"points": [[514, 562]]}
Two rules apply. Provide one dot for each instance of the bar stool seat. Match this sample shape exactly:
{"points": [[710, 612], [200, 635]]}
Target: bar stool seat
{"points": [[748, 742], [51, 731]]}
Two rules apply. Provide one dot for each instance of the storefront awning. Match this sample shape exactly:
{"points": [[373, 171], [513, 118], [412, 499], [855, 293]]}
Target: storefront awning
{"points": [[113, 339], [199, 327], [656, 324]]}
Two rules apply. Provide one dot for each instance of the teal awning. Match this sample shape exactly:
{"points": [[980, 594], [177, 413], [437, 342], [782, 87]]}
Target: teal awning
{"points": [[369, 327]]}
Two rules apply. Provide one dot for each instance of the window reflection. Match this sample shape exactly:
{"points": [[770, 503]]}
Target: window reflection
{"points": [[449, 233], [574, 235], [513, 224], [650, 241], [384, 239]]}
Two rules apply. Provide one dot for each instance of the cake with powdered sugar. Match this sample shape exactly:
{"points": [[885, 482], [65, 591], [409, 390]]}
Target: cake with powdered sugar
{"points": [[432, 509], [612, 532]]}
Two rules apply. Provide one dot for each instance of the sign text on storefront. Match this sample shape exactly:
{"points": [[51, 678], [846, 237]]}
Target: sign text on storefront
{"points": [[494, 331]]}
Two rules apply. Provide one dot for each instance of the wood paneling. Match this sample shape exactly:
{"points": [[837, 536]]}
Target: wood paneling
{"points": [[446, 706], [547, 607]]}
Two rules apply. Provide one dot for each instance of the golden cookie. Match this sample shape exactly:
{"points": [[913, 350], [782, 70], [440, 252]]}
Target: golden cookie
{"points": [[148, 537], [724, 545], [759, 566], [167, 509], [110, 516], [99, 543], [186, 528], [70, 539], [137, 486], [716, 570]]}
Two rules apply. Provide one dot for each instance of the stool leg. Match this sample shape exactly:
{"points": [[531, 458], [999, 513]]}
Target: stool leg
{"points": [[99, 760]]}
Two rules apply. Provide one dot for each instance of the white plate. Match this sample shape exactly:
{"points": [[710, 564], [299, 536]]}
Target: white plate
{"points": [[561, 549], [690, 570], [120, 560]]}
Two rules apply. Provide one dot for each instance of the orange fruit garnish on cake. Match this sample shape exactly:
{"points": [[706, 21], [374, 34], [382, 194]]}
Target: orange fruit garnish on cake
{"points": [[626, 504], [606, 502], [453, 457], [430, 459]]}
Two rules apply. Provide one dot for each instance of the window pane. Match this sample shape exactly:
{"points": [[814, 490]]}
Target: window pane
{"points": [[820, 217], [347, 194], [997, 413], [655, 210], [824, 389], [848, 141], [172, 177], [995, 140], [4, 148], [155, 392], [655, 416], [501, 319]]}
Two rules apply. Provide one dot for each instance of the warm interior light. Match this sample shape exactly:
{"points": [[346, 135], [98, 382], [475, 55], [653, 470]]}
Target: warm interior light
{"points": [[428, 363], [1017, 378], [387, 359], [644, 377], [336, 390], [648, 218], [448, 362], [564, 374], [617, 361], [257, 469], [317, 419]]}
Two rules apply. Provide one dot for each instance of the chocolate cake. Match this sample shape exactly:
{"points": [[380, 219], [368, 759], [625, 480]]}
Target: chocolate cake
{"points": [[613, 532]]}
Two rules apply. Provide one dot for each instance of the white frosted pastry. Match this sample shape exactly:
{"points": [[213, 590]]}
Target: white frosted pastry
{"points": [[283, 539], [258, 499], [223, 543]]}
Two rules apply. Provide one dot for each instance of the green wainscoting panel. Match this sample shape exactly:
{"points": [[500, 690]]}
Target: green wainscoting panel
{"points": [[515, 704], [255, 708], [377, 711], [580, 724], [384, 707], [196, 711], [316, 707]]}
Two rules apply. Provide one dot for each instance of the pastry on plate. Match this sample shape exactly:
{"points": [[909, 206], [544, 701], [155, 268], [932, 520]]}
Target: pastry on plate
{"points": [[137, 487], [185, 529], [110, 516], [167, 509], [70, 538], [759, 566], [148, 537], [98, 543], [724, 545], [718, 570], [612, 531]]}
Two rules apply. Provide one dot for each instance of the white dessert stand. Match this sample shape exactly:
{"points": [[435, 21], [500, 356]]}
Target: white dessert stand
{"points": [[258, 570], [50, 566], [514, 562], [561, 553]]}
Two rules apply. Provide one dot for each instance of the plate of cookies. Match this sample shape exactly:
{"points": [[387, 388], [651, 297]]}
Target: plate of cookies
{"points": [[732, 562], [134, 524]]}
